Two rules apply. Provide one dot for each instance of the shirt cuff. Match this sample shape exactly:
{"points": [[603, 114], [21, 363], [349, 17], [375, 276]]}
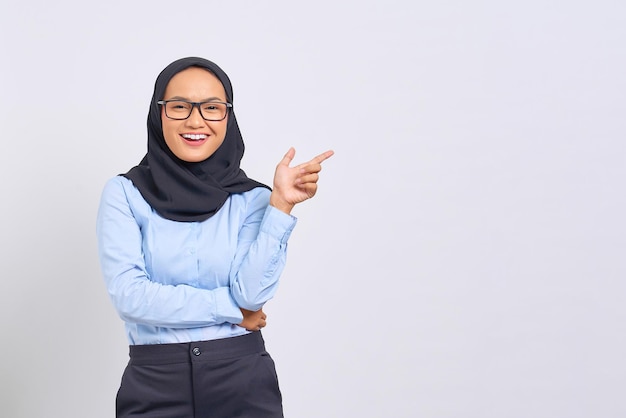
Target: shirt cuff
{"points": [[226, 310], [278, 224]]}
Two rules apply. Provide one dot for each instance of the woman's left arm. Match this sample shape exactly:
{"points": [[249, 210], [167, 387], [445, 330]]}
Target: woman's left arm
{"points": [[261, 254], [262, 243]]}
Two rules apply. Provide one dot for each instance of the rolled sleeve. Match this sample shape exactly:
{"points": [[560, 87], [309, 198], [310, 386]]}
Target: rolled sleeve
{"points": [[278, 224]]}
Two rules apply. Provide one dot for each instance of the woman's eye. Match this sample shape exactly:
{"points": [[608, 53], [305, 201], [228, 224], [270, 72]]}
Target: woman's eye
{"points": [[210, 108]]}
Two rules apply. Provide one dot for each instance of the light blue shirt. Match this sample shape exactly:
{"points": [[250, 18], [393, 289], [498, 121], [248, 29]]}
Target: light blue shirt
{"points": [[185, 281]]}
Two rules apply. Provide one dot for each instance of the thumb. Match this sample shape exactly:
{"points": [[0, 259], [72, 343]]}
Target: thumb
{"points": [[288, 157]]}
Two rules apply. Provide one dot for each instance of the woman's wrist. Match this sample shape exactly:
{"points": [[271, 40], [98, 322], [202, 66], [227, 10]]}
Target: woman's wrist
{"points": [[281, 204]]}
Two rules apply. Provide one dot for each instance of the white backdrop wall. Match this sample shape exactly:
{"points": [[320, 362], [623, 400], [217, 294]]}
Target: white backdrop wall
{"points": [[465, 255]]}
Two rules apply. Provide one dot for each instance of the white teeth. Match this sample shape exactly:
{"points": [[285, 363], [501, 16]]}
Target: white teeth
{"points": [[194, 137]]}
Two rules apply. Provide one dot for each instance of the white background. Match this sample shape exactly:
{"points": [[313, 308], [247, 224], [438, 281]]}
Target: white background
{"points": [[465, 254]]}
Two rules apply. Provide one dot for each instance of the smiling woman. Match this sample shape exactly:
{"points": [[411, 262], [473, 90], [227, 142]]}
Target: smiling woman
{"points": [[191, 249]]}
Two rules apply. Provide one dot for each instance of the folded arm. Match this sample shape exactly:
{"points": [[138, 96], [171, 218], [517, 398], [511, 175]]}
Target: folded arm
{"points": [[138, 299]]}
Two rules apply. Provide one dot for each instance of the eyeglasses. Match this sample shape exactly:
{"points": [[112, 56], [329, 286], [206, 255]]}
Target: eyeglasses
{"points": [[181, 109]]}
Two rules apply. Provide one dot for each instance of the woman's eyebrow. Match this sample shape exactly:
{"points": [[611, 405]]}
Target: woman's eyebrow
{"points": [[209, 99]]}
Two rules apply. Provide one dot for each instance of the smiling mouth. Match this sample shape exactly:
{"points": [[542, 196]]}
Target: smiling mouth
{"points": [[194, 137]]}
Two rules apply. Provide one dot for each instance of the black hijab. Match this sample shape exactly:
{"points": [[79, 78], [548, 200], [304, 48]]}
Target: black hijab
{"points": [[183, 191]]}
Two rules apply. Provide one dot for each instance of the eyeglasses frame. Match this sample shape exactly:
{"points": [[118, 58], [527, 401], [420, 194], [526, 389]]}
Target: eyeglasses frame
{"points": [[195, 104]]}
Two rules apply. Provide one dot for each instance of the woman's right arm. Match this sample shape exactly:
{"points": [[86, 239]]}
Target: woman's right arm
{"points": [[138, 299]]}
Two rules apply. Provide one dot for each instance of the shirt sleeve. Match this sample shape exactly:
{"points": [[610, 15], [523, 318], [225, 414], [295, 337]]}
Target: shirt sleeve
{"points": [[261, 254], [136, 298]]}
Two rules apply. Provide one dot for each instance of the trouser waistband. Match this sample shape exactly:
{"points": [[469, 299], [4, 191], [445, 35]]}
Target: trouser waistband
{"points": [[198, 350]]}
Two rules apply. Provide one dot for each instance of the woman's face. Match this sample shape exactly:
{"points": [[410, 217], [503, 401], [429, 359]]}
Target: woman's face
{"points": [[194, 139]]}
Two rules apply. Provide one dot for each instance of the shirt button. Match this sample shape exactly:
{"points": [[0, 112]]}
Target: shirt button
{"points": [[196, 351]]}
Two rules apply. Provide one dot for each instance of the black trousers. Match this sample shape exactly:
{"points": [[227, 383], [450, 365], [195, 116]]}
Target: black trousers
{"points": [[228, 378]]}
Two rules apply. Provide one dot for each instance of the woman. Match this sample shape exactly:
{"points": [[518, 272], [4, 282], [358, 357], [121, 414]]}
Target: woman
{"points": [[191, 249]]}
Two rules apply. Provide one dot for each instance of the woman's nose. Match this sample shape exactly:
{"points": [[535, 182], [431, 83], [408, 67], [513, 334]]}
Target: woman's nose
{"points": [[195, 119]]}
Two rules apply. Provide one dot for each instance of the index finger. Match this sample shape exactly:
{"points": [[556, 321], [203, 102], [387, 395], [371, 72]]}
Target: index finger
{"points": [[323, 156], [317, 160]]}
